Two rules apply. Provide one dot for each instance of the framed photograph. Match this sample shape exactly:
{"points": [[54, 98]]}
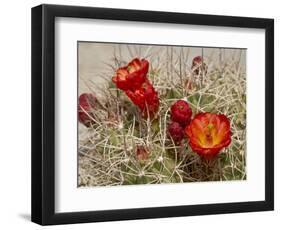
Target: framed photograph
{"points": [[142, 114]]}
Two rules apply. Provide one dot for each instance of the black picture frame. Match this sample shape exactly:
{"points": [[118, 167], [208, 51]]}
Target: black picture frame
{"points": [[43, 113]]}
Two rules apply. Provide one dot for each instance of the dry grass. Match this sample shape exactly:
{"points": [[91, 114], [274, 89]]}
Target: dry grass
{"points": [[107, 150]]}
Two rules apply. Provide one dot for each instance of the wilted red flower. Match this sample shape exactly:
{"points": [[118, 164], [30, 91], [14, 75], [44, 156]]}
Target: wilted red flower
{"points": [[87, 102], [198, 66], [181, 112], [176, 132], [142, 153], [146, 98], [132, 76], [208, 134]]}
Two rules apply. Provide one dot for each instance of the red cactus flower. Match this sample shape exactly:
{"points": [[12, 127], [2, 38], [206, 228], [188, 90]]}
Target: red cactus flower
{"points": [[132, 76], [181, 112], [176, 132], [198, 66], [146, 98], [87, 102], [142, 153], [208, 134]]}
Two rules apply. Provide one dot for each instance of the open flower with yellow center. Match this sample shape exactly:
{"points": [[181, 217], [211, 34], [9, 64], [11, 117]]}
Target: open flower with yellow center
{"points": [[208, 134]]}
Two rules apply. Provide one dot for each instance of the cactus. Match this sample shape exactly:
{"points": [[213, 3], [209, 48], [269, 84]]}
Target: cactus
{"points": [[122, 147]]}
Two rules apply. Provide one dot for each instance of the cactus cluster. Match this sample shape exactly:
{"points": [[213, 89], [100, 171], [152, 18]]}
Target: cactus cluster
{"points": [[147, 127]]}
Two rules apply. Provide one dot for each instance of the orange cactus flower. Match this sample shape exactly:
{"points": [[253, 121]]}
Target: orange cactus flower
{"points": [[132, 76], [208, 134]]}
